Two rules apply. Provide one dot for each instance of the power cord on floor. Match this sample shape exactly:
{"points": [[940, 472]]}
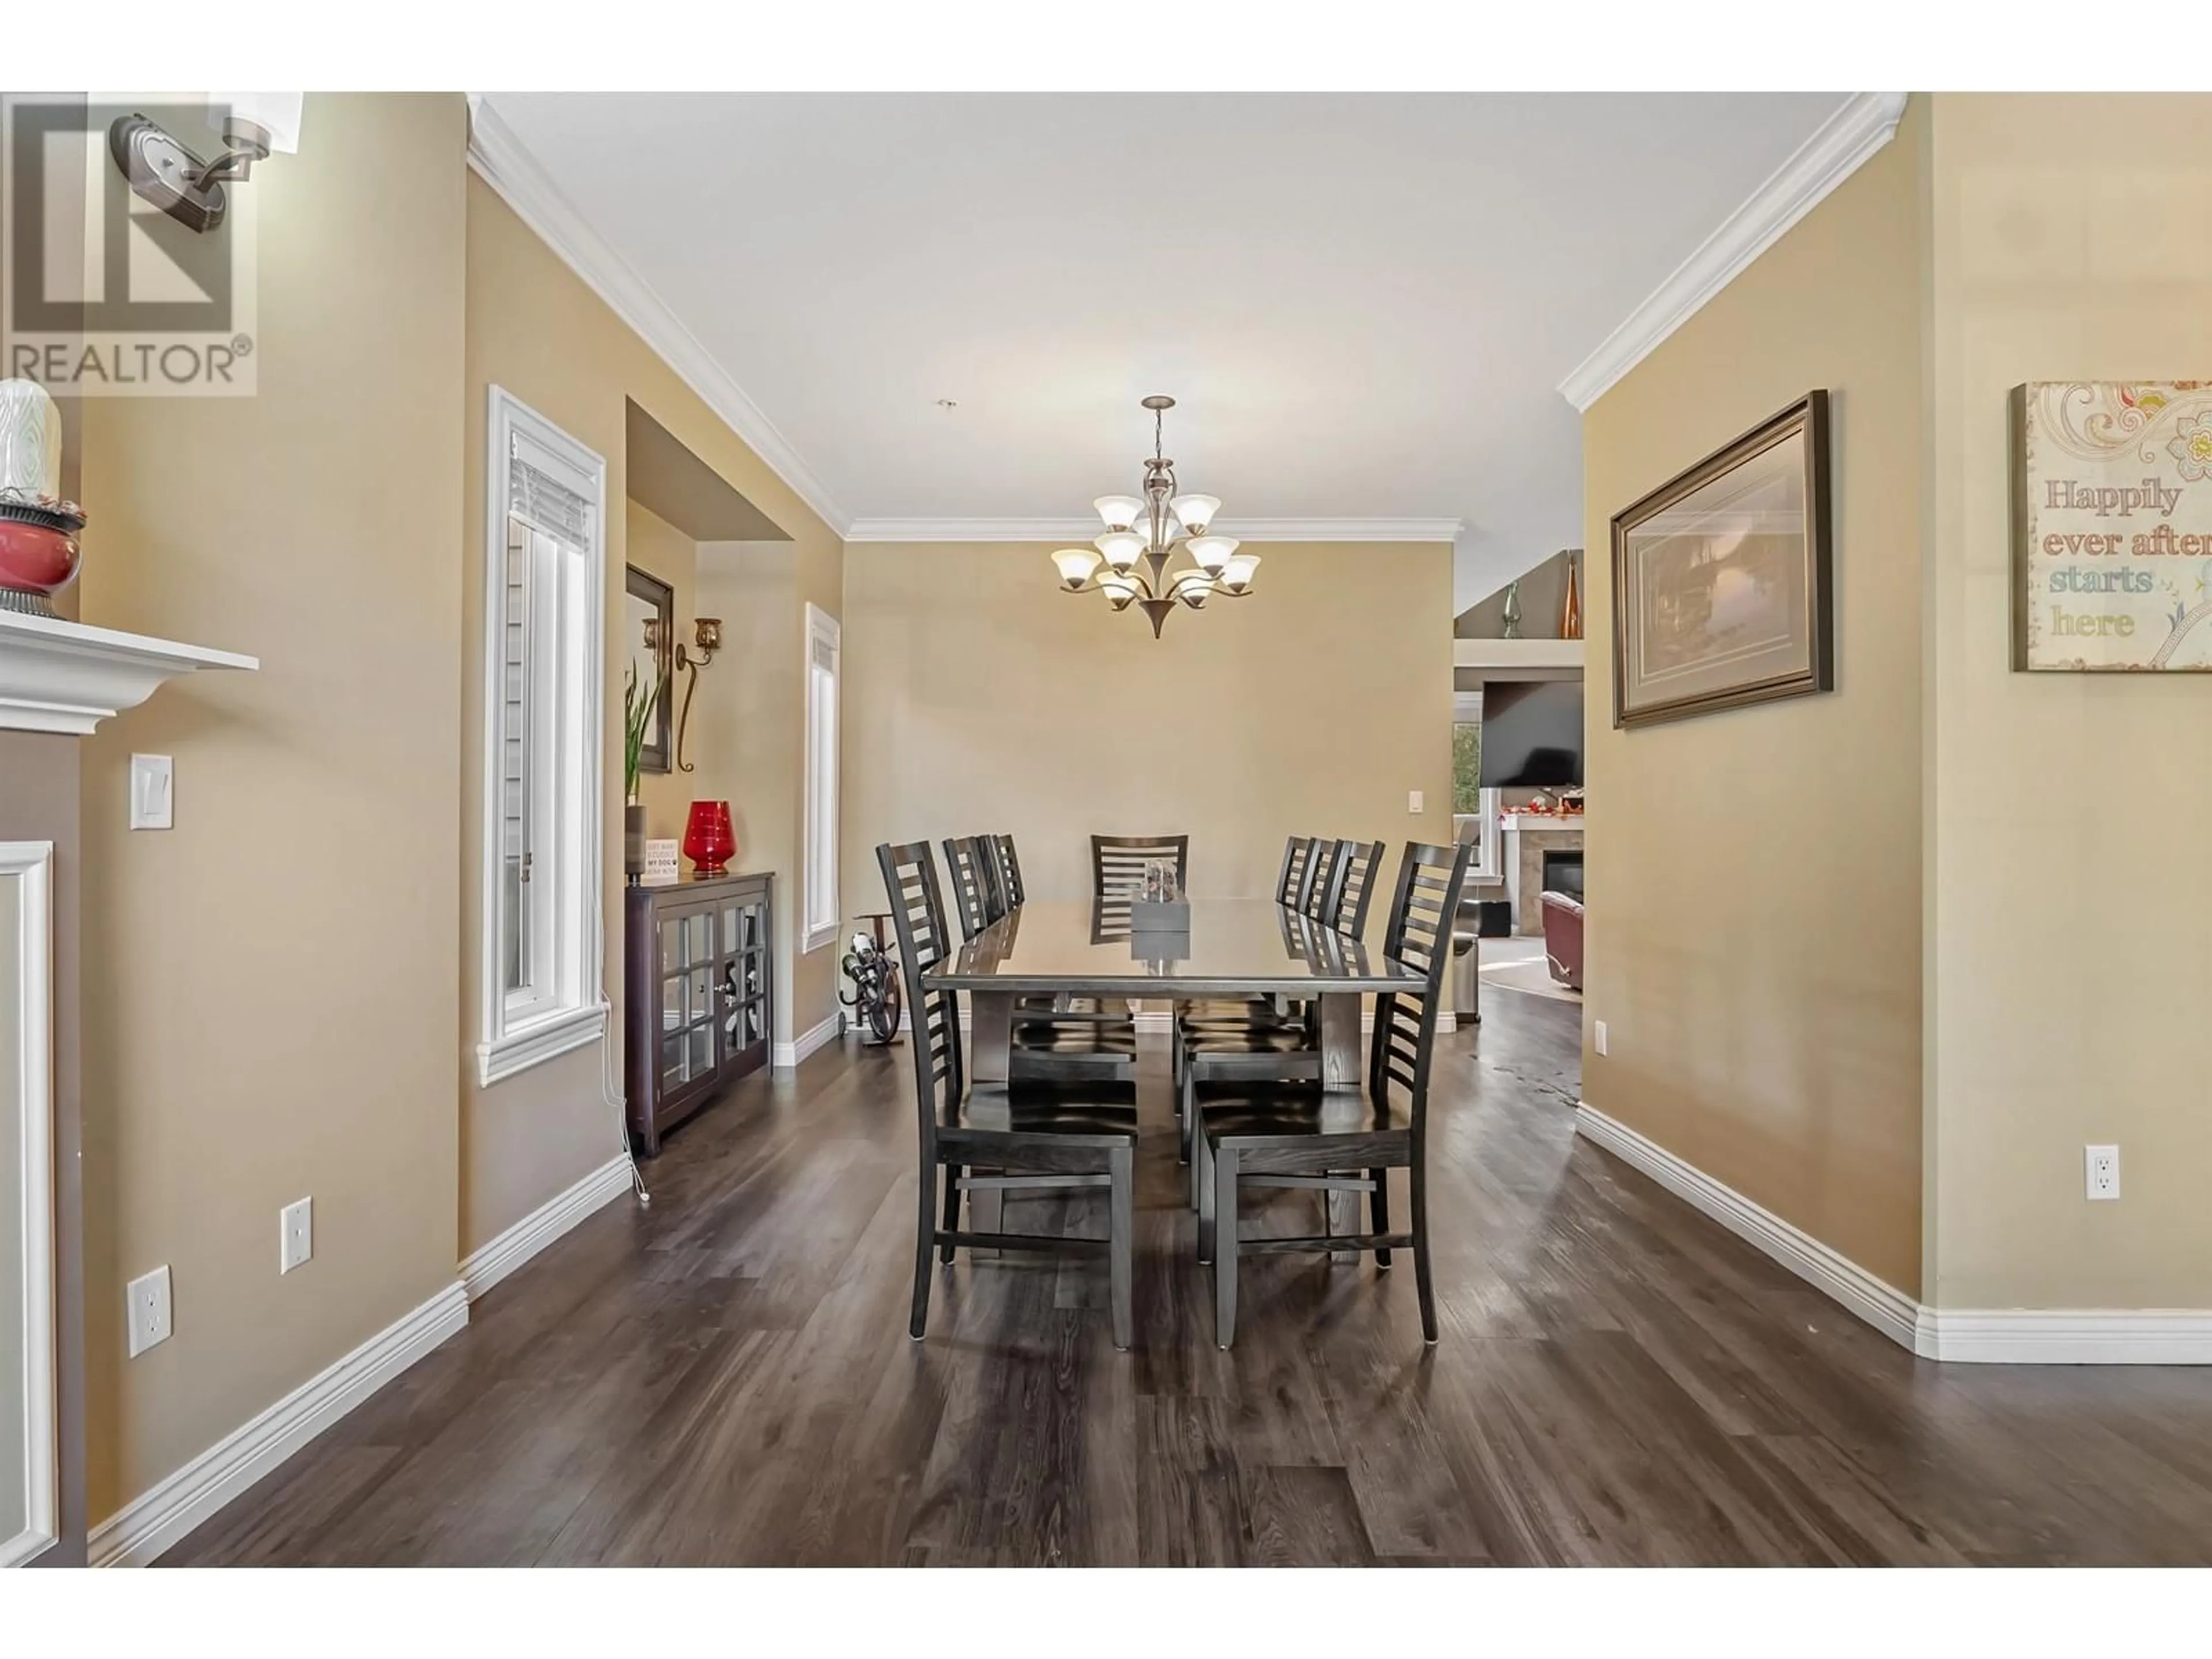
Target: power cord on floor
{"points": [[612, 1097]]}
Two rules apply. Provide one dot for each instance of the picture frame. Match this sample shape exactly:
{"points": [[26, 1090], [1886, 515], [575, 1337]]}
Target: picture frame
{"points": [[648, 636], [1724, 577], [2112, 526]]}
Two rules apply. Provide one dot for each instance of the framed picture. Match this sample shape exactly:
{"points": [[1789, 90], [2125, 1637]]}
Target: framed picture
{"points": [[2112, 526], [1721, 583], [648, 636]]}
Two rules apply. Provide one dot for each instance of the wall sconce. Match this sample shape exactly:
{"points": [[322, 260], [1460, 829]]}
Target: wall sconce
{"points": [[190, 190], [706, 635]]}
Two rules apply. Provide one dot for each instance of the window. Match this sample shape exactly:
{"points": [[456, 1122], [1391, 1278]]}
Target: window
{"points": [[823, 635], [544, 605]]}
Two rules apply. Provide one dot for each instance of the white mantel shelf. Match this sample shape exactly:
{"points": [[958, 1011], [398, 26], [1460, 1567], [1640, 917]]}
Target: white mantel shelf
{"points": [[63, 677], [1514, 823]]}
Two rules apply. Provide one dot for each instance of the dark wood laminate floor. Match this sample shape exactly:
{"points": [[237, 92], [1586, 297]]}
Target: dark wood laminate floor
{"points": [[725, 1378]]}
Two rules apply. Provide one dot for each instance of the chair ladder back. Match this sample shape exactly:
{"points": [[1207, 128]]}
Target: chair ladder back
{"points": [[1010, 873], [1318, 889], [1419, 936], [918, 920], [966, 872], [1294, 869], [1355, 889], [988, 876], [1118, 870]]}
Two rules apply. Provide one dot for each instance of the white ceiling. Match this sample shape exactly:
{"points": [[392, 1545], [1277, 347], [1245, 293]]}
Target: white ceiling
{"points": [[1365, 303]]}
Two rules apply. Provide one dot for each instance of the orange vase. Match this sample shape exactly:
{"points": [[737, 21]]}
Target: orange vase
{"points": [[1570, 613]]}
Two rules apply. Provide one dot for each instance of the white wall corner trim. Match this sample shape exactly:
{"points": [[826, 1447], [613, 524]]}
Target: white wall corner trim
{"points": [[544, 1225], [785, 1056], [1079, 532], [1879, 1304], [30, 865], [1867, 121], [500, 158], [138, 1533]]}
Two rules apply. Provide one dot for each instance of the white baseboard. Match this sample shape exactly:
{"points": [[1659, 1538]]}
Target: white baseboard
{"points": [[2067, 1336], [486, 1266], [786, 1055], [146, 1526], [1881, 1304], [2008, 1336]]}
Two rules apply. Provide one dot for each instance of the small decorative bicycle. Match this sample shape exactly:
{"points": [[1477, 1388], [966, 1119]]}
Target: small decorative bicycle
{"points": [[874, 999]]}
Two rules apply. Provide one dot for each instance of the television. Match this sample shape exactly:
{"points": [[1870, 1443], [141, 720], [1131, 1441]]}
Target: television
{"points": [[1532, 734]]}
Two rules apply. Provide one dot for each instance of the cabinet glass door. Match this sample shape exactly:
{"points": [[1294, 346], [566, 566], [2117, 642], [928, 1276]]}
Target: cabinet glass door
{"points": [[744, 974], [687, 963]]}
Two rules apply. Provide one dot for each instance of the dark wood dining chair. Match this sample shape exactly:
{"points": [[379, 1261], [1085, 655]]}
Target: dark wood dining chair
{"points": [[1359, 867], [1117, 869], [1318, 888], [1010, 872], [1321, 1139], [1292, 881], [1028, 1139], [973, 900]]}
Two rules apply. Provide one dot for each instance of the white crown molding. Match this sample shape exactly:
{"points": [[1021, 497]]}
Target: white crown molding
{"points": [[1079, 532], [785, 1056], [1843, 143], [138, 1532], [59, 676], [2009, 1336], [485, 1267], [500, 158]]}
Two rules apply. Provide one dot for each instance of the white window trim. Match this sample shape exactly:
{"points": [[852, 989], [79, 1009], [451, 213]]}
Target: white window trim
{"points": [[1489, 861], [576, 1013], [821, 843]]}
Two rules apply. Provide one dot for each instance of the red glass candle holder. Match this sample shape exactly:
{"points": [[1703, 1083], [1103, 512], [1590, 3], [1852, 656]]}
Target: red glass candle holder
{"points": [[708, 841]]}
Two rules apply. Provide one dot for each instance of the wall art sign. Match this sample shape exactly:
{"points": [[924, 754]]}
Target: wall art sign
{"points": [[2113, 525], [1721, 581]]}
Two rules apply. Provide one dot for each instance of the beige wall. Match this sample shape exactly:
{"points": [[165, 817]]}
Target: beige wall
{"points": [[978, 697], [2069, 898], [1754, 941], [272, 990], [536, 329]]}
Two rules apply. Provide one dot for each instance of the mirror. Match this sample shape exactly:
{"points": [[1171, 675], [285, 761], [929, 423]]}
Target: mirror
{"points": [[649, 635]]}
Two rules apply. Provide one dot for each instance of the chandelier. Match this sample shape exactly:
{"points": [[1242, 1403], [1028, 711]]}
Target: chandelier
{"points": [[1143, 534]]}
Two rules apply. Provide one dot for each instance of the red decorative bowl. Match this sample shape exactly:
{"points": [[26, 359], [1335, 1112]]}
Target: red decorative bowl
{"points": [[37, 559]]}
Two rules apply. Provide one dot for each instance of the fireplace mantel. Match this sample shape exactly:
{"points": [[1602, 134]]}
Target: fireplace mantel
{"points": [[63, 677]]}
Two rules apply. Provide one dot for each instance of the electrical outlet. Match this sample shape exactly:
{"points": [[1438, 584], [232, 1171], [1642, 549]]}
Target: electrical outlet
{"points": [[295, 1235], [146, 1310], [1597, 1037], [1415, 801], [2102, 1167]]}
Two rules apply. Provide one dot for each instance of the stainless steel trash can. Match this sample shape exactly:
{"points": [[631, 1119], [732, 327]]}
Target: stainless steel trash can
{"points": [[1465, 970]]}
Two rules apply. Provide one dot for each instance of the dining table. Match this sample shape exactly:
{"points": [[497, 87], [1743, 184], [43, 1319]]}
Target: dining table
{"points": [[1230, 948]]}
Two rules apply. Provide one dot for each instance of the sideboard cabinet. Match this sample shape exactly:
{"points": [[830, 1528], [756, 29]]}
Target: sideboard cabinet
{"points": [[699, 1005]]}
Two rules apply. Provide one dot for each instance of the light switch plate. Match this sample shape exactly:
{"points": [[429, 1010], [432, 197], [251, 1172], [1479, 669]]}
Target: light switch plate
{"points": [[153, 797], [1598, 1037], [146, 1310], [1414, 800], [295, 1235]]}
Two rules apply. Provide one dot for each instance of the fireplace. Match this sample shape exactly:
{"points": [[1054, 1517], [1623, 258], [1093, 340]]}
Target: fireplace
{"points": [[1563, 872]]}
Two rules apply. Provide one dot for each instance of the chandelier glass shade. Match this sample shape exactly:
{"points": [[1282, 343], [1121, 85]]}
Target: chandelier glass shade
{"points": [[1143, 535]]}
